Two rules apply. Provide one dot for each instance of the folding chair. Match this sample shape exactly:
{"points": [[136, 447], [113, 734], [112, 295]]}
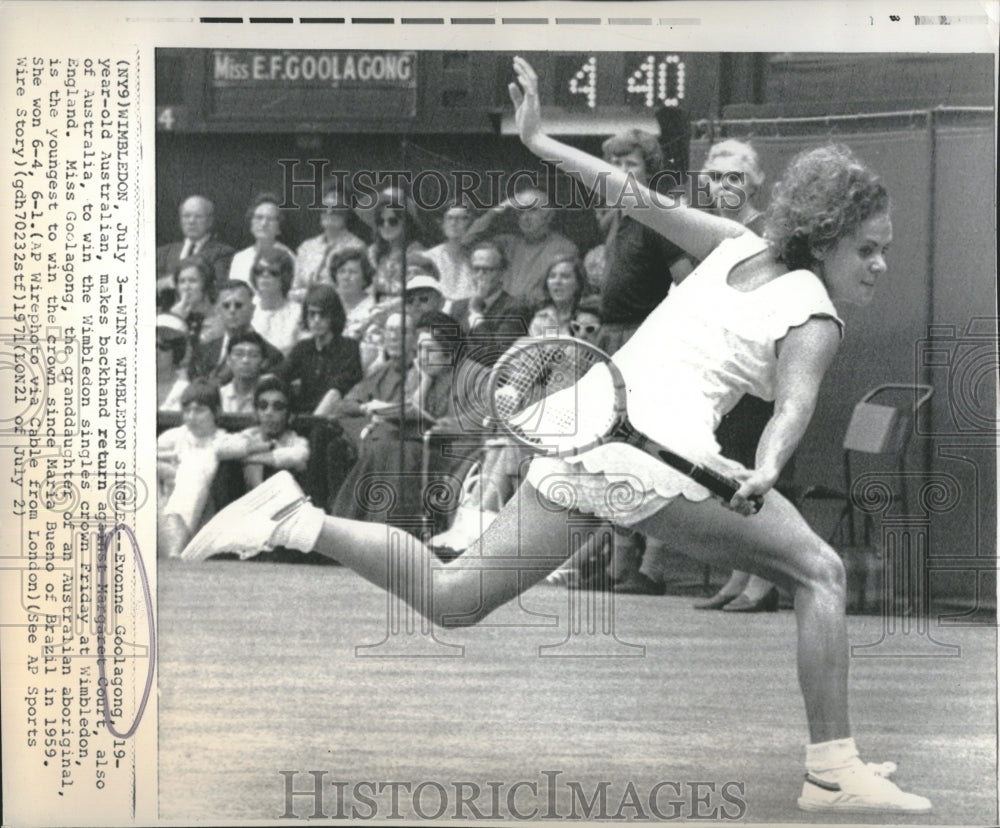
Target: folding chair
{"points": [[875, 428], [881, 425]]}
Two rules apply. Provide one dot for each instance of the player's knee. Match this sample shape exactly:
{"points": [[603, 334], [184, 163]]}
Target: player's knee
{"points": [[451, 606], [827, 569]]}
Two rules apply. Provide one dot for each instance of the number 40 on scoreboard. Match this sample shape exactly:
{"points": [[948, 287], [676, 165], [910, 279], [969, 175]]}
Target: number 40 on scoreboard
{"points": [[634, 79]]}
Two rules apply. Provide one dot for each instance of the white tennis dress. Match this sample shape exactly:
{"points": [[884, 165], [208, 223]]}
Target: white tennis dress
{"points": [[705, 346]]}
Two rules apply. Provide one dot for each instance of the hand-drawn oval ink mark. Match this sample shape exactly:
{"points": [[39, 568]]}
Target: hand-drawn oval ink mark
{"points": [[102, 556]]}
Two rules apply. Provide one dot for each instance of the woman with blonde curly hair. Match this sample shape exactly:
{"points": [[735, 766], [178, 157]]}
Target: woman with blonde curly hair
{"points": [[757, 315]]}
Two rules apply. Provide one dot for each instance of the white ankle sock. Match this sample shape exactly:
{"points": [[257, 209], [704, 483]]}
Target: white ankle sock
{"points": [[829, 757], [301, 530]]}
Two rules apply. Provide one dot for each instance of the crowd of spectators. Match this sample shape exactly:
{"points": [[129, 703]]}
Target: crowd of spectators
{"points": [[317, 359]]}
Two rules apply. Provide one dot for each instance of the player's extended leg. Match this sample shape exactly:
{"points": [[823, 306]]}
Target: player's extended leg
{"points": [[525, 543], [779, 545]]}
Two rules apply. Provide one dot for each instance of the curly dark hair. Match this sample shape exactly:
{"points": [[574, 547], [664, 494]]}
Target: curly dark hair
{"points": [[631, 140], [824, 195], [350, 254]]}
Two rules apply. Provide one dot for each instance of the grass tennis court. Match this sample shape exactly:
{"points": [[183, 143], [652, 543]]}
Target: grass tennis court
{"points": [[258, 673]]}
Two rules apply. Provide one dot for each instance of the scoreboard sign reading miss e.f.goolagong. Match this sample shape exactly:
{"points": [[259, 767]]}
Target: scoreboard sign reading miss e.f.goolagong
{"points": [[356, 91], [309, 86]]}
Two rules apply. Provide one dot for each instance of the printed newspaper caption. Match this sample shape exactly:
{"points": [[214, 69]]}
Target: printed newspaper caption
{"points": [[76, 608]]}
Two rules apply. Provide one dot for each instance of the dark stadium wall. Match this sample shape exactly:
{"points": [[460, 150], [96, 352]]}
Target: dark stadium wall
{"points": [[962, 360]]}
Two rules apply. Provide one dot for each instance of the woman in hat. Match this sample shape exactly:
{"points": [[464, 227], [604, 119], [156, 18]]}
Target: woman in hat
{"points": [[171, 348]]}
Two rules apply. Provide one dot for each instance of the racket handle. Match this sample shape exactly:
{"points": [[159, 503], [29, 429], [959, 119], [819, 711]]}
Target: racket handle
{"points": [[718, 484]]}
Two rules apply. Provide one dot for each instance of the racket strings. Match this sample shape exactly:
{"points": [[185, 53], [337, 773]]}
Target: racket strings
{"points": [[535, 395]]}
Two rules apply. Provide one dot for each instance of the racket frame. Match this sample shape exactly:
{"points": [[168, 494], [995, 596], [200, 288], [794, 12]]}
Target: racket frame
{"points": [[621, 430]]}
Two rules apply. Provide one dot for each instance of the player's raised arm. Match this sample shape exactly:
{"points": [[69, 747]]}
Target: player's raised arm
{"points": [[695, 231]]}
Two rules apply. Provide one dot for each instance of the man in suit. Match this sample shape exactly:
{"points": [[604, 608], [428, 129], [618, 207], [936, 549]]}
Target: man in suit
{"points": [[235, 308], [492, 319], [197, 215]]}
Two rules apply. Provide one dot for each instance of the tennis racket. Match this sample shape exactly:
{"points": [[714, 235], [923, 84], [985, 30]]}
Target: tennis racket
{"points": [[533, 395]]}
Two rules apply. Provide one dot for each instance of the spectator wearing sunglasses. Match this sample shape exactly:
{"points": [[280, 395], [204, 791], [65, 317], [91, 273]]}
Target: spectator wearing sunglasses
{"points": [[171, 348], [733, 177], [286, 449], [586, 322], [395, 231], [730, 178], [423, 292], [235, 309], [276, 318]]}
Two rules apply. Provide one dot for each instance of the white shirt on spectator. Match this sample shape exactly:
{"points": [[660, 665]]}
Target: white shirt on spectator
{"points": [[280, 327], [235, 403], [291, 450]]}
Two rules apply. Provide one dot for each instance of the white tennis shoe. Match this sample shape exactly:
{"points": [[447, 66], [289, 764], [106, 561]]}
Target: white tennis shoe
{"points": [[247, 525], [860, 789]]}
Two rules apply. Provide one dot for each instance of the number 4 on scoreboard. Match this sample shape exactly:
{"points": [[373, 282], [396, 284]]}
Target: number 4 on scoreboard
{"points": [[165, 118], [584, 82]]}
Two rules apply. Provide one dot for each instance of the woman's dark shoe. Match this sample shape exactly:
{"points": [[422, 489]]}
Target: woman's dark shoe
{"points": [[767, 603], [638, 583], [717, 601]]}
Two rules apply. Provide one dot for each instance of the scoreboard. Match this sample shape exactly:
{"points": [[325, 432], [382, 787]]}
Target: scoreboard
{"points": [[634, 79], [358, 91]]}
